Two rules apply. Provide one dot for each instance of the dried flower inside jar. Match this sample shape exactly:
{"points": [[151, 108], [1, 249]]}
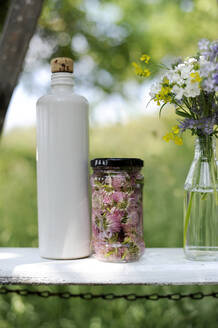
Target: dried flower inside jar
{"points": [[117, 209]]}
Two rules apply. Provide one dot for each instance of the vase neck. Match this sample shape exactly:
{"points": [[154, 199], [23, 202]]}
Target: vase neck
{"points": [[202, 175], [205, 148]]}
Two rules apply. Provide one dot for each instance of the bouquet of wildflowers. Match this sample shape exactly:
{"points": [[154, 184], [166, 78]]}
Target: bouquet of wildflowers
{"points": [[192, 87]]}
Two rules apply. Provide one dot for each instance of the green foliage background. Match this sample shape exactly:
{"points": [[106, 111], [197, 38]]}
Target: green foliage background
{"points": [[117, 32], [113, 33], [165, 169]]}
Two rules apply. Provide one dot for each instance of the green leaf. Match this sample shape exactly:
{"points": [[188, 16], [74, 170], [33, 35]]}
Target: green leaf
{"points": [[161, 109], [140, 181], [149, 101], [108, 188], [124, 254], [111, 252], [124, 220], [204, 195], [180, 113], [122, 205]]}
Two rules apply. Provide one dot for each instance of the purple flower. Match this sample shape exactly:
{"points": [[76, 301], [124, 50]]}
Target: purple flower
{"points": [[208, 49], [208, 85], [215, 78], [209, 65], [203, 46], [216, 115], [195, 109], [203, 125], [213, 50]]}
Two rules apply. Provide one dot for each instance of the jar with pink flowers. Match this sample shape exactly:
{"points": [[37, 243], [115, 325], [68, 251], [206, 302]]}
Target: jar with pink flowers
{"points": [[117, 209]]}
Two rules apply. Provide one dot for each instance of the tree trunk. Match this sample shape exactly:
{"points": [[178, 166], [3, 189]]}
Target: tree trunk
{"points": [[18, 29]]}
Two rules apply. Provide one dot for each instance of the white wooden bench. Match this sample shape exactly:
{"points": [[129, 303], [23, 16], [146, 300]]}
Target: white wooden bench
{"points": [[158, 266]]}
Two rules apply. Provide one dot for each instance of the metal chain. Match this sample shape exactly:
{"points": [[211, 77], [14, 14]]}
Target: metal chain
{"points": [[107, 297]]}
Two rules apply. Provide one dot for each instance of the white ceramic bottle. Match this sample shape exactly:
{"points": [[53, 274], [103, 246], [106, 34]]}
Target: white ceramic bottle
{"points": [[62, 168]]}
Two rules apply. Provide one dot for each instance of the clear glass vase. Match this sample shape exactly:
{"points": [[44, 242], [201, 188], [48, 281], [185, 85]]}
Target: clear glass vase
{"points": [[201, 203]]}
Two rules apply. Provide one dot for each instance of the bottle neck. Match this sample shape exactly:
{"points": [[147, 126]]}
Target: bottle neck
{"points": [[61, 82], [205, 148]]}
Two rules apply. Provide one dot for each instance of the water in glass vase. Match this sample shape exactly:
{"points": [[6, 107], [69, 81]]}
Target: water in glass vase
{"points": [[201, 203], [201, 225]]}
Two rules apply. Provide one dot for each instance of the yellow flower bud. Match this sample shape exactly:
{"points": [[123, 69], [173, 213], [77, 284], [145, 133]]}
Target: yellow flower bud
{"points": [[140, 71], [145, 58], [175, 129], [178, 140], [195, 77], [173, 136]]}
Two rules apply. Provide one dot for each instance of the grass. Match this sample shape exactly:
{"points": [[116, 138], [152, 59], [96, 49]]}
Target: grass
{"points": [[166, 166]]}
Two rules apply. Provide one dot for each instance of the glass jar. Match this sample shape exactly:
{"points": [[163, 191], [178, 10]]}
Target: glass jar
{"points": [[117, 209], [201, 203]]}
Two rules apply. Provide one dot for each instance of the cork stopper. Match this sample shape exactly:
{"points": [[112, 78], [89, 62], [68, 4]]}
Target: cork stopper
{"points": [[62, 64]]}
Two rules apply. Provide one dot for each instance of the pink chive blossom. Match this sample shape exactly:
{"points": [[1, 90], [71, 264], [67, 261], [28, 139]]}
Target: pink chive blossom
{"points": [[97, 198], [95, 230], [108, 199], [118, 196], [96, 210], [105, 234], [133, 218], [101, 248], [113, 225], [132, 206], [116, 214], [92, 181], [118, 181], [130, 232], [114, 219]]}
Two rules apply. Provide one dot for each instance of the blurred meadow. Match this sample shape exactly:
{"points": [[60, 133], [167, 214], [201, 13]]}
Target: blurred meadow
{"points": [[104, 37]]}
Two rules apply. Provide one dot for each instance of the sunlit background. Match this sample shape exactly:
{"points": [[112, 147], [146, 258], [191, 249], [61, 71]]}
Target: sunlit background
{"points": [[104, 37]]}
